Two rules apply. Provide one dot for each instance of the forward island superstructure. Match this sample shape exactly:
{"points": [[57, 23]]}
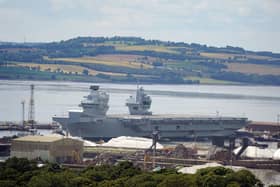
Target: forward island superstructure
{"points": [[93, 122]]}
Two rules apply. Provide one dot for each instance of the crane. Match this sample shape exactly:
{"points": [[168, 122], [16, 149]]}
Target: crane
{"points": [[31, 112], [155, 137]]}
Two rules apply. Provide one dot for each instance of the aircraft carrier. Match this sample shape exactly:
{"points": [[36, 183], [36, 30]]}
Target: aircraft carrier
{"points": [[92, 122]]}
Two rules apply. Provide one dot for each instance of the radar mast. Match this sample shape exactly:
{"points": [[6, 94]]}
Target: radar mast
{"points": [[140, 104], [96, 103]]}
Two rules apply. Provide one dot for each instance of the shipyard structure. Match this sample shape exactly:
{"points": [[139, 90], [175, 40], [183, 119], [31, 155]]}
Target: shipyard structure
{"points": [[92, 122], [48, 148]]}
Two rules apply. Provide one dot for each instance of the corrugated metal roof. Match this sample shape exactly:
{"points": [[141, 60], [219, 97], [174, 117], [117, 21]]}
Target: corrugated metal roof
{"points": [[39, 138]]}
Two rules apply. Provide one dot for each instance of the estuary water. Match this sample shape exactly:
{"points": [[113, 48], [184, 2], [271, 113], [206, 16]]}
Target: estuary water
{"points": [[259, 103]]}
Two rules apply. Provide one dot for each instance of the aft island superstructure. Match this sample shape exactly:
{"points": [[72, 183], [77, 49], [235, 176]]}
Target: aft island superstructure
{"points": [[93, 122]]}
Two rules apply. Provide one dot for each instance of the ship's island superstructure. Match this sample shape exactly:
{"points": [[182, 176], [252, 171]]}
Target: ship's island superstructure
{"points": [[93, 122]]}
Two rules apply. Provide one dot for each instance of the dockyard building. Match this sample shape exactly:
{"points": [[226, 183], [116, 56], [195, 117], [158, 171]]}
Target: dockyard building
{"points": [[48, 148]]}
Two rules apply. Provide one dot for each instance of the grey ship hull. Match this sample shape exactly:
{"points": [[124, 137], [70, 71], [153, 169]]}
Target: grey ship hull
{"points": [[171, 127]]}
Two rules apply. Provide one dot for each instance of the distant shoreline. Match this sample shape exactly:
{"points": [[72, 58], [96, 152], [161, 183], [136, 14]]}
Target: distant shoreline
{"points": [[146, 83]]}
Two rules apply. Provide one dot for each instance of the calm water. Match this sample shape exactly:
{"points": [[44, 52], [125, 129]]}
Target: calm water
{"points": [[56, 98]]}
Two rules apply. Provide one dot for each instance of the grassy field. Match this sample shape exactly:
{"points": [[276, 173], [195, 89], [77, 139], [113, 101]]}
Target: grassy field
{"points": [[203, 80], [218, 55], [258, 57], [156, 48], [146, 48], [124, 58], [66, 68], [96, 60], [178, 64], [253, 69], [226, 56]]}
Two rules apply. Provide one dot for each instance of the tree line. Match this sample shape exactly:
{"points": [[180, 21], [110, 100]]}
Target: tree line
{"points": [[21, 172]]}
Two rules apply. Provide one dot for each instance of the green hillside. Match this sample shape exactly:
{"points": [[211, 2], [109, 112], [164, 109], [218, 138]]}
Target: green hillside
{"points": [[133, 59]]}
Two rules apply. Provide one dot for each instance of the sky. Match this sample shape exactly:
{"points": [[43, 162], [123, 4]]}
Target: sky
{"points": [[251, 24]]}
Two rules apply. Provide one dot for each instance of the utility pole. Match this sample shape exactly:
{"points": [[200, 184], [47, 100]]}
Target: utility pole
{"points": [[31, 114], [23, 112], [278, 119]]}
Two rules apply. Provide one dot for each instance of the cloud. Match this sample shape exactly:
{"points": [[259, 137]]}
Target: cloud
{"points": [[58, 5], [214, 22]]}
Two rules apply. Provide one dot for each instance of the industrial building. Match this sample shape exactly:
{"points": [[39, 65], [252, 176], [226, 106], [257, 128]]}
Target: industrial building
{"points": [[48, 148]]}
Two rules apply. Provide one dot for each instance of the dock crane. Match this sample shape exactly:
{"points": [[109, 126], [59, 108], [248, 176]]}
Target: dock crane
{"points": [[155, 138]]}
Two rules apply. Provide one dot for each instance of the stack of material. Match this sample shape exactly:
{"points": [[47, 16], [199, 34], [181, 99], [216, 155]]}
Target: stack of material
{"points": [[256, 152], [276, 155], [221, 154], [87, 143], [193, 169], [183, 152], [131, 142]]}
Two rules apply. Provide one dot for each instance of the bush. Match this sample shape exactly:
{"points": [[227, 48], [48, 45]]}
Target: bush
{"points": [[21, 172]]}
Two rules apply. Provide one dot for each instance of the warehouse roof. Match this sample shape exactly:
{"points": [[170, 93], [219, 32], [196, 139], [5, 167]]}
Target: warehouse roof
{"points": [[38, 138]]}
